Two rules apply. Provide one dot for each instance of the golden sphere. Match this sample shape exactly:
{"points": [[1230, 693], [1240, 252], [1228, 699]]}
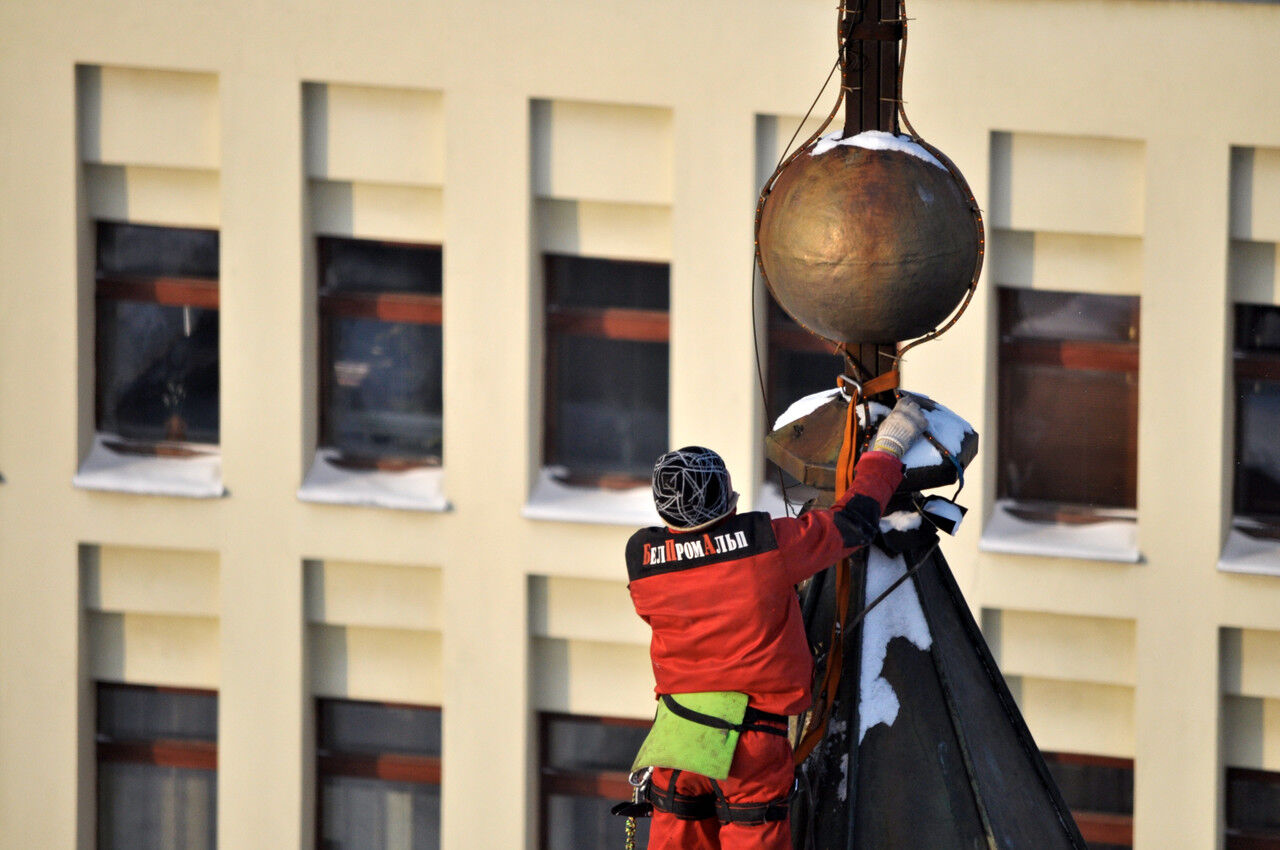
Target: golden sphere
{"points": [[869, 244]]}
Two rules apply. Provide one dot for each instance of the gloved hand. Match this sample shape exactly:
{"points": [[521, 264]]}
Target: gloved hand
{"points": [[900, 428]]}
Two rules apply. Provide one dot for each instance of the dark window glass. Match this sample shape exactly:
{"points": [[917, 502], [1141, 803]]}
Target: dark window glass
{"points": [[574, 823], [377, 814], [591, 282], [157, 333], [1257, 329], [382, 348], [1252, 809], [367, 727], [585, 762], [800, 363], [384, 395], [1099, 792], [607, 365], [157, 777], [1040, 314], [379, 776], [158, 371], [144, 714], [611, 405], [1093, 784], [1068, 399], [358, 265], [152, 807], [587, 743], [141, 250], [1257, 370]]}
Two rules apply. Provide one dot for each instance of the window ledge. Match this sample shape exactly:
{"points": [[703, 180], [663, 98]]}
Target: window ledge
{"points": [[1113, 539], [420, 489], [198, 475], [1244, 553], [552, 499]]}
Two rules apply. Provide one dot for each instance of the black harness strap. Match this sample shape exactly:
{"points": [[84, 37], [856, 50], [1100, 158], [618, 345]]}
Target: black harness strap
{"points": [[753, 814], [705, 806], [752, 721], [683, 806], [750, 814]]}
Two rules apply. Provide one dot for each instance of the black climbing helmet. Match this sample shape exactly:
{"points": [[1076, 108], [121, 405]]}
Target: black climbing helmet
{"points": [[691, 488]]}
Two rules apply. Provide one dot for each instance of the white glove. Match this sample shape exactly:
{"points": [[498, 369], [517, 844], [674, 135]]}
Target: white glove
{"points": [[900, 428]]}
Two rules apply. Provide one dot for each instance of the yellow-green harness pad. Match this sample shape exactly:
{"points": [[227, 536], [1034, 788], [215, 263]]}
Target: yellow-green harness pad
{"points": [[702, 745]]}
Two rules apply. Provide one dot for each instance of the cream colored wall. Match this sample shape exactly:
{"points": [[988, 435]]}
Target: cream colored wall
{"points": [[628, 130]]}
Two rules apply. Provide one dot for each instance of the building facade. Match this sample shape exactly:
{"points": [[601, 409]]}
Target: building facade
{"points": [[335, 340]]}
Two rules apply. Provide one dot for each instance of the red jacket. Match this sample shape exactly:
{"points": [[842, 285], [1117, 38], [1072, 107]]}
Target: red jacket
{"points": [[721, 600]]}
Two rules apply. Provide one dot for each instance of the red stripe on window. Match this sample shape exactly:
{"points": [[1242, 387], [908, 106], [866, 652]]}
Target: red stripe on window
{"points": [[611, 323], [385, 306], [169, 291]]}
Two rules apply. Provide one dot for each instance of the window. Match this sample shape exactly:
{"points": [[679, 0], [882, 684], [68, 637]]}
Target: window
{"points": [[1257, 371], [1253, 809], [157, 768], [799, 364], [157, 334], [380, 317], [585, 762], [606, 382], [1099, 792], [1068, 403], [379, 776]]}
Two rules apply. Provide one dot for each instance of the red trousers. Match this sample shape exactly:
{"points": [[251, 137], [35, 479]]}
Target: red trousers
{"points": [[762, 772]]}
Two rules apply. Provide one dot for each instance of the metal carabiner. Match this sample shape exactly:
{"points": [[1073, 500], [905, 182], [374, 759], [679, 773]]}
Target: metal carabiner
{"points": [[843, 381]]}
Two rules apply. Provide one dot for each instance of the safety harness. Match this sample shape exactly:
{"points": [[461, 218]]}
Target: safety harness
{"points": [[714, 805], [649, 795], [753, 720]]}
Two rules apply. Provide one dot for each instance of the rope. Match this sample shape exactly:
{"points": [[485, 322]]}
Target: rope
{"points": [[959, 178], [784, 158], [848, 15], [820, 712], [854, 13]]}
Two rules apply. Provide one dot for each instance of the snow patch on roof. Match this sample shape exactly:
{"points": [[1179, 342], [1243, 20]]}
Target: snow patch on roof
{"points": [[899, 615], [552, 499], [876, 140], [900, 521], [802, 407], [947, 428], [419, 489], [878, 412], [198, 475]]}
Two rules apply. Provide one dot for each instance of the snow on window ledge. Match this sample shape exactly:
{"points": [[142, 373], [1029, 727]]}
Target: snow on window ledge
{"points": [[1248, 553], [1111, 539], [552, 499], [417, 489], [116, 465]]}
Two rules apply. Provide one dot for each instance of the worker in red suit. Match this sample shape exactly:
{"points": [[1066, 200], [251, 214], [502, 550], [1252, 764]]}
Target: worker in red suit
{"points": [[718, 590]]}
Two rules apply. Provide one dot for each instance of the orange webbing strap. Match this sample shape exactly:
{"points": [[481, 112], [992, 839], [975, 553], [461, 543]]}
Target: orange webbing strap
{"points": [[824, 695], [848, 447], [820, 711], [881, 383]]}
